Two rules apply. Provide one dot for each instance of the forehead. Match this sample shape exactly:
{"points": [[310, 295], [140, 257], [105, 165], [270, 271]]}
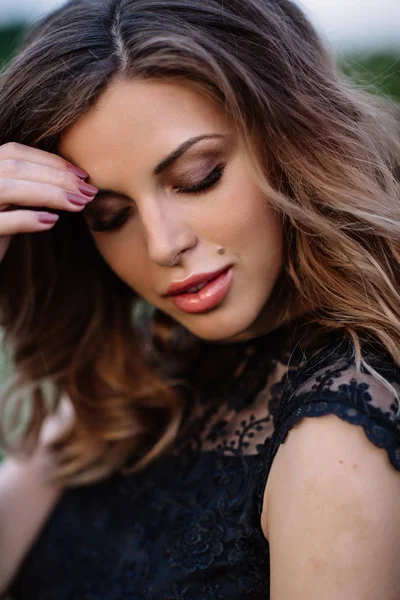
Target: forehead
{"points": [[143, 117]]}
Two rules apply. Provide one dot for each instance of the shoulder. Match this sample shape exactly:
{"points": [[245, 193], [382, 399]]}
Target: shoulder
{"points": [[332, 517], [330, 508], [329, 383]]}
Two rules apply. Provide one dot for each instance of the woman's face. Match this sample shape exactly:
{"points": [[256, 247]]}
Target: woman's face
{"points": [[176, 188]]}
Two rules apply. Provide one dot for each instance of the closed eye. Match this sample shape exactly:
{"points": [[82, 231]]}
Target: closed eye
{"points": [[119, 219], [112, 223], [203, 185]]}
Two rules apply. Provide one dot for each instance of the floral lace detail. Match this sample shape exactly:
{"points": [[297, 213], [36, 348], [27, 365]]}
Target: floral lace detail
{"points": [[198, 542], [251, 562], [380, 436], [188, 526], [358, 398]]}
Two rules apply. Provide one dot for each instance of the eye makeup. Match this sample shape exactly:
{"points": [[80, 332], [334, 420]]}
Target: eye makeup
{"points": [[186, 155], [113, 218], [193, 172], [204, 184]]}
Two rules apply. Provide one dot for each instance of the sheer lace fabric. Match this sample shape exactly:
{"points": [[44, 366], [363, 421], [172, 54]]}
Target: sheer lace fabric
{"points": [[188, 527], [358, 398]]}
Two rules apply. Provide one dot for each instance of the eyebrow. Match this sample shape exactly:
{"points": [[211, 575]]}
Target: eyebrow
{"points": [[170, 159]]}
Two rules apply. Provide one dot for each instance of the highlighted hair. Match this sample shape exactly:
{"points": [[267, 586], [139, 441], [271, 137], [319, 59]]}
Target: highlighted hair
{"points": [[325, 153]]}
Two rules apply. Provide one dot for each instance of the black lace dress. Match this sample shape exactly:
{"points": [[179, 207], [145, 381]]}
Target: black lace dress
{"points": [[188, 527]]}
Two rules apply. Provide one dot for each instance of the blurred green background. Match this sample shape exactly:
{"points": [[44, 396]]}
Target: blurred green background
{"points": [[9, 39], [379, 69]]}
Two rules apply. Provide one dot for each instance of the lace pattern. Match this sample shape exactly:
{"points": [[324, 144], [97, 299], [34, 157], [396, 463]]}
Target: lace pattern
{"points": [[331, 385], [188, 526]]}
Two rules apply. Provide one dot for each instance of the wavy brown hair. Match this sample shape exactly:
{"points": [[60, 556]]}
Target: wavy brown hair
{"points": [[325, 153]]}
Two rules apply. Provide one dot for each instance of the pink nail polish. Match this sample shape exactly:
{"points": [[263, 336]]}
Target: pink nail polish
{"points": [[47, 218], [88, 190], [77, 200], [77, 171]]}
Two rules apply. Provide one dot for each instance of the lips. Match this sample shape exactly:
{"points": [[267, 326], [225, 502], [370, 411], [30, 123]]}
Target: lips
{"points": [[211, 295], [193, 282]]}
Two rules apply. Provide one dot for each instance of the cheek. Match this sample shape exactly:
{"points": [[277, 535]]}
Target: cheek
{"points": [[267, 231], [257, 236], [126, 255], [247, 223]]}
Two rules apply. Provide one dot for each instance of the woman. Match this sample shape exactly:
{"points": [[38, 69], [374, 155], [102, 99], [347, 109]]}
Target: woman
{"points": [[225, 263]]}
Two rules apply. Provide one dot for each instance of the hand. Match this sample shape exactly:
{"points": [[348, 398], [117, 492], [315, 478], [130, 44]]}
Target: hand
{"points": [[27, 496], [32, 179], [55, 425]]}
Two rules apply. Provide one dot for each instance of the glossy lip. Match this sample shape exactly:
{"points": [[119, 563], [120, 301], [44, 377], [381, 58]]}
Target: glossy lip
{"points": [[181, 286]]}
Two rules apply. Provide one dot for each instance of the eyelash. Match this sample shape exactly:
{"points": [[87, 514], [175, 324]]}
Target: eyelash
{"points": [[118, 221], [206, 184]]}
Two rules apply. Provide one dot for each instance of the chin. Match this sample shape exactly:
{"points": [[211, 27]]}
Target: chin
{"points": [[220, 325]]}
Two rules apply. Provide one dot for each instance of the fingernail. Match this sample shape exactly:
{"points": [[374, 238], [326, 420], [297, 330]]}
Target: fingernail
{"points": [[77, 171], [77, 200], [47, 218], [87, 189]]}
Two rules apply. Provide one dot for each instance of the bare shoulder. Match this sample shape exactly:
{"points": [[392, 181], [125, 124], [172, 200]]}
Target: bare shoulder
{"points": [[331, 515]]}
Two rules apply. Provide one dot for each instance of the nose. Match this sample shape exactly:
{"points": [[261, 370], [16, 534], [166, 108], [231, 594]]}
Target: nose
{"points": [[167, 234]]}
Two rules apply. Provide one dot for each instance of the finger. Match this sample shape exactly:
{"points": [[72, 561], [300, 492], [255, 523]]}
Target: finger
{"points": [[30, 193], [26, 221], [25, 170], [58, 422], [15, 151]]}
